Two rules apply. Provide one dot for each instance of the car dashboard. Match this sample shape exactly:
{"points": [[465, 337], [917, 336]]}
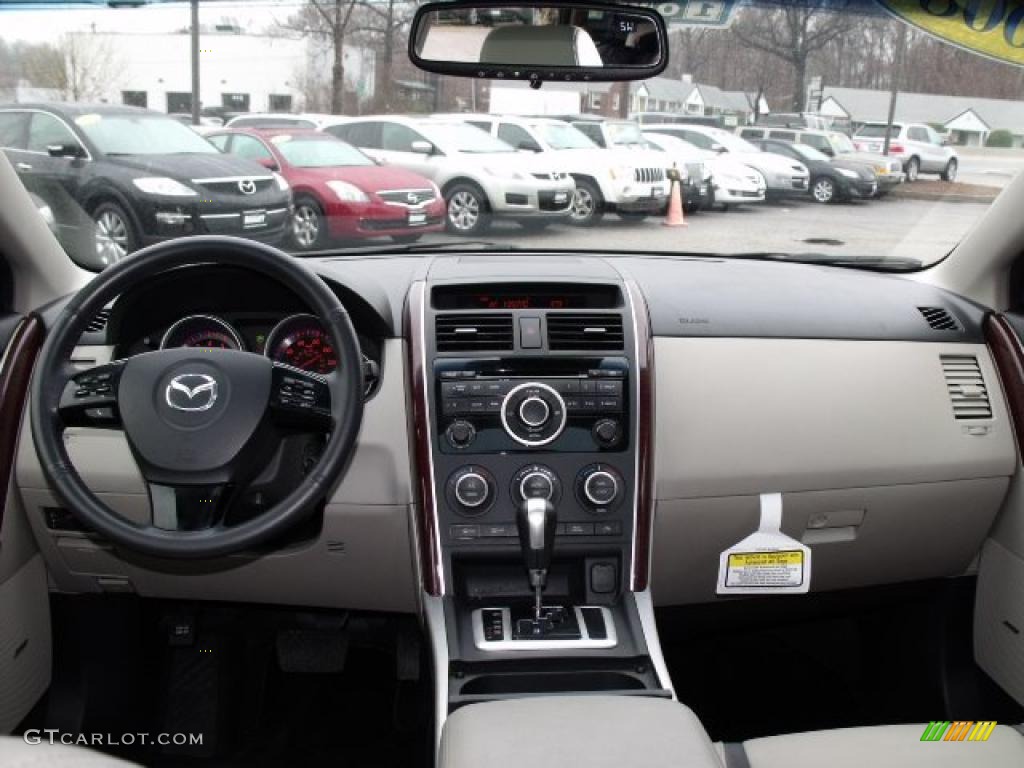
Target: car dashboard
{"points": [[720, 380]]}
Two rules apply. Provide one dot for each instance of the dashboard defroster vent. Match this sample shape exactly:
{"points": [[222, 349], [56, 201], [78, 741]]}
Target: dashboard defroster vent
{"points": [[966, 387], [98, 322], [469, 333], [940, 319], [585, 332]]}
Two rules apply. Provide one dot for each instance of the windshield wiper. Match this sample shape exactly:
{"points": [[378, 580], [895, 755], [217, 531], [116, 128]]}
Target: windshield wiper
{"points": [[871, 263], [431, 247]]}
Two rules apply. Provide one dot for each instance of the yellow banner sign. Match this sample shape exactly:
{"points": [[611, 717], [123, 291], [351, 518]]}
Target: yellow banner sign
{"points": [[993, 28]]}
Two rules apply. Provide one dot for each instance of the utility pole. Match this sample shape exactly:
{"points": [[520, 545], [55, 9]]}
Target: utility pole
{"points": [[897, 73], [195, 61]]}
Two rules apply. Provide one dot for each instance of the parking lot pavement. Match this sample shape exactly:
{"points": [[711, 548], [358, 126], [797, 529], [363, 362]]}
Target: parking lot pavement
{"points": [[889, 227], [992, 167]]}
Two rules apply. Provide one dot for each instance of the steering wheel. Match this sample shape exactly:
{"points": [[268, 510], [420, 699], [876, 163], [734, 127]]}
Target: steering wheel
{"points": [[201, 423]]}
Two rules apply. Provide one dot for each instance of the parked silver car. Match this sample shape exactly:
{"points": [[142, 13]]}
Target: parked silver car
{"points": [[480, 176], [921, 149]]}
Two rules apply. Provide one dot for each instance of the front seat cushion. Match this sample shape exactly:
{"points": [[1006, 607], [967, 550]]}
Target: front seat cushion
{"points": [[885, 746], [578, 732]]}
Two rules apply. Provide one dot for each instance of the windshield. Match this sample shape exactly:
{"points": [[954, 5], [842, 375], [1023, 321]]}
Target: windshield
{"points": [[563, 136], [625, 134], [817, 74], [467, 139], [318, 153], [140, 135], [877, 131], [810, 153]]}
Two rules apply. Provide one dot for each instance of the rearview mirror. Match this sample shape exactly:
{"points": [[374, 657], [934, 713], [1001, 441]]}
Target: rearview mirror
{"points": [[539, 41]]}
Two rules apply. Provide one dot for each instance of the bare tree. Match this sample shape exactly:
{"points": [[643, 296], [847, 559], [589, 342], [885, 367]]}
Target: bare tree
{"points": [[82, 66], [378, 24], [792, 34], [327, 20]]}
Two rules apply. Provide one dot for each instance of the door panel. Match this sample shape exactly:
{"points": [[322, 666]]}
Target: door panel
{"points": [[25, 644]]}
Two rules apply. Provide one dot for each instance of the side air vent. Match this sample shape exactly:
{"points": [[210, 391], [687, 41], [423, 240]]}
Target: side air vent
{"points": [[98, 322], [940, 319], [966, 387], [585, 332], [468, 333]]}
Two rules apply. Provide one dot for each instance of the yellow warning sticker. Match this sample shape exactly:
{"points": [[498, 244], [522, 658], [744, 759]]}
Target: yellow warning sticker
{"points": [[780, 568]]}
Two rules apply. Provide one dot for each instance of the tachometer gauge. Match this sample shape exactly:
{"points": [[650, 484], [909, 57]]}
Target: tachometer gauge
{"points": [[201, 331], [301, 341]]}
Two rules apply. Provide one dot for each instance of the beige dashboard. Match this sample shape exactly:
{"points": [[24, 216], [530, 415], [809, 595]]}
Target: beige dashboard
{"points": [[876, 474]]}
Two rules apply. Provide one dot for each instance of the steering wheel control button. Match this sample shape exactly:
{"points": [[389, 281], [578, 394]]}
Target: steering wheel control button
{"points": [[461, 434], [607, 432], [533, 414], [470, 490], [599, 488]]}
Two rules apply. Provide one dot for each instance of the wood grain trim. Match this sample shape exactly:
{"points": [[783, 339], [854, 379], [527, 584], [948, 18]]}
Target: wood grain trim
{"points": [[427, 534], [643, 524], [1008, 354], [15, 374]]}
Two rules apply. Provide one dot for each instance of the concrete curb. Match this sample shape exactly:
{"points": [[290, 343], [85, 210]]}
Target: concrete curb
{"points": [[939, 198]]}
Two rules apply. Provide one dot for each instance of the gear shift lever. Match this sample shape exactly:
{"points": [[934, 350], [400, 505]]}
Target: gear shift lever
{"points": [[536, 520]]}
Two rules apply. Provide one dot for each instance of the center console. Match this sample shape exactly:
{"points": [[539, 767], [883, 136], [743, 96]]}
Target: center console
{"points": [[532, 407]]}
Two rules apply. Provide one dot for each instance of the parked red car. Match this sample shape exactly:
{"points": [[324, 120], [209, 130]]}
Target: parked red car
{"points": [[339, 192]]}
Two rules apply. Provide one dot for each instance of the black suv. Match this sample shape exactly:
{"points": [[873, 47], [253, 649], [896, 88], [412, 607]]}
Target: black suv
{"points": [[136, 177]]}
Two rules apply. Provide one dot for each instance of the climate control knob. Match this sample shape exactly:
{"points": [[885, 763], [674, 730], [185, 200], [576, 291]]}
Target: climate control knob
{"points": [[536, 481], [599, 488], [470, 490]]}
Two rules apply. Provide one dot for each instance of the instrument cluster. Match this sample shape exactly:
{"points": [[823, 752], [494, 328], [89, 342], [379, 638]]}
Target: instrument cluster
{"points": [[299, 340]]}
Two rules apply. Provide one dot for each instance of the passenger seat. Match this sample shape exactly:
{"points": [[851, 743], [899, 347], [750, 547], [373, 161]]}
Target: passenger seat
{"points": [[882, 746], [600, 731]]}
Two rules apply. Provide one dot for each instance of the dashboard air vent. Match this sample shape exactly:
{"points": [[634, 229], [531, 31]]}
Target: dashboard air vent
{"points": [[98, 322], [585, 332], [468, 333], [966, 387], [940, 319]]}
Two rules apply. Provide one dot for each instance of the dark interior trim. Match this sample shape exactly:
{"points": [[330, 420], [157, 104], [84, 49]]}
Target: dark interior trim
{"points": [[645, 438], [426, 518], [1008, 354], [15, 374]]}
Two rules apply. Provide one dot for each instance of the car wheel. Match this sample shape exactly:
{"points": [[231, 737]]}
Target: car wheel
{"points": [[534, 225], [113, 233], [913, 169], [950, 173], [823, 190], [405, 239], [632, 215], [587, 204], [309, 226], [467, 212]]}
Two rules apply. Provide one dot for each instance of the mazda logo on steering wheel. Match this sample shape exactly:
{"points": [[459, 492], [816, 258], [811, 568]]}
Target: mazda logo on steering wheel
{"points": [[191, 392]]}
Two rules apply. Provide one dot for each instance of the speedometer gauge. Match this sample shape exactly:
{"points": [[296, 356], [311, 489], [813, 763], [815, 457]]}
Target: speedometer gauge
{"points": [[204, 331], [301, 341]]}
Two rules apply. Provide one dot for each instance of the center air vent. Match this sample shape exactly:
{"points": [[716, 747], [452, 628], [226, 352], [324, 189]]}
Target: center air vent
{"points": [[940, 319], [469, 333], [966, 387], [584, 332]]}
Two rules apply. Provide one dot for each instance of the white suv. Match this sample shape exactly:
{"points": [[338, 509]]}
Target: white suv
{"points": [[632, 184], [921, 149], [479, 176]]}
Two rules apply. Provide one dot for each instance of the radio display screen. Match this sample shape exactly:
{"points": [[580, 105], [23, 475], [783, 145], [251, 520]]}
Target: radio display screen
{"points": [[539, 296]]}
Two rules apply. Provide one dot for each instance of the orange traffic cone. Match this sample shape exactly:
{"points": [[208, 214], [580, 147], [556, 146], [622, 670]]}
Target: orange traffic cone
{"points": [[674, 217]]}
